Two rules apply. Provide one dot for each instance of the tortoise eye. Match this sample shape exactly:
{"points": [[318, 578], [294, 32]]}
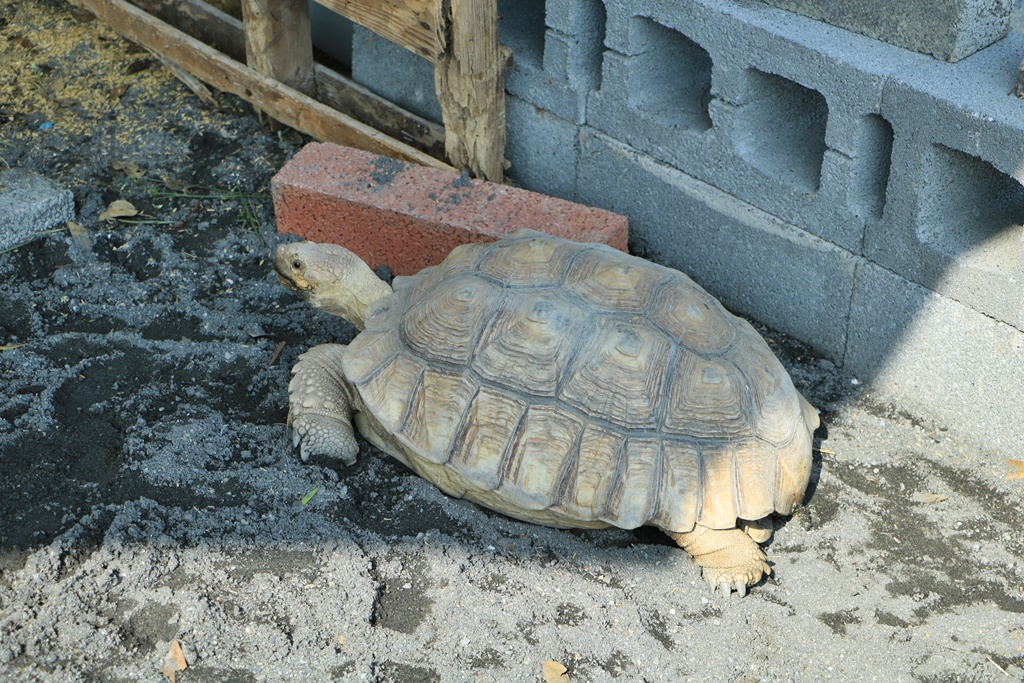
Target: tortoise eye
{"points": [[296, 264]]}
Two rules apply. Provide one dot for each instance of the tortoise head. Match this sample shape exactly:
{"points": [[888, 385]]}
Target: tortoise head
{"points": [[330, 278]]}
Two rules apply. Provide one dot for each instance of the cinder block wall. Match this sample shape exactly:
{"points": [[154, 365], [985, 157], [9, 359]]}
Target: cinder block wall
{"points": [[859, 196]]}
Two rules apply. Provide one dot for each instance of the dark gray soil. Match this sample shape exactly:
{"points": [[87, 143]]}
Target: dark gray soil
{"points": [[149, 490]]}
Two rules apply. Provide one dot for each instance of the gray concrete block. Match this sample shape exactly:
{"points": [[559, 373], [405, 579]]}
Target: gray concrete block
{"points": [[1018, 89], [30, 204], [954, 220], [960, 234], [756, 264], [750, 46], [545, 80], [965, 105], [934, 356], [780, 111], [554, 68], [946, 29], [395, 73], [522, 26], [542, 149], [331, 33], [576, 17]]}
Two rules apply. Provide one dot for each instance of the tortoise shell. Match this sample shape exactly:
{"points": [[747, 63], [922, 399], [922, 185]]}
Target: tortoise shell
{"points": [[574, 385]]}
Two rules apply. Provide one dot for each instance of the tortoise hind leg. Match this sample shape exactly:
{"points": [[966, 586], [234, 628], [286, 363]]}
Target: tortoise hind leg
{"points": [[729, 558], [320, 406]]}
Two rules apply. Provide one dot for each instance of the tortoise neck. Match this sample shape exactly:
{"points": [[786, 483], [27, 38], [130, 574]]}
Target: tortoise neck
{"points": [[365, 293]]}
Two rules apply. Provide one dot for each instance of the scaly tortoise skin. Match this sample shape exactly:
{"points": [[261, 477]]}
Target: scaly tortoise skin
{"points": [[564, 384]]}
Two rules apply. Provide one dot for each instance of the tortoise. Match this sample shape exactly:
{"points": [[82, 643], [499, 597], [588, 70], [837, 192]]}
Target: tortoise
{"points": [[565, 384]]}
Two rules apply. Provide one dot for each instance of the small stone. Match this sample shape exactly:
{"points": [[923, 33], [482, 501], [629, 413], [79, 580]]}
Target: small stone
{"points": [[31, 204]]}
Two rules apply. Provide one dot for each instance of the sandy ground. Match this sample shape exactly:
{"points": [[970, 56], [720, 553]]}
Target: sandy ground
{"points": [[149, 492]]}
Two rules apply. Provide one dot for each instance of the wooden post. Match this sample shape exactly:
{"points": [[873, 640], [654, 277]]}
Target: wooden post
{"points": [[470, 83], [278, 42]]}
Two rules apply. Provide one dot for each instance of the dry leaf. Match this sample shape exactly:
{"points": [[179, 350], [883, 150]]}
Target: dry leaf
{"points": [[173, 184], [277, 352], [554, 672], [1018, 469], [80, 234], [928, 498], [119, 208], [177, 655], [21, 41], [10, 347], [55, 88], [174, 661], [129, 168]]}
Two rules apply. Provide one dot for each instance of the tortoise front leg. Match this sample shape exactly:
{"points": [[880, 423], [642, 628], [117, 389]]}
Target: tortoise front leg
{"points": [[729, 558], [320, 406]]}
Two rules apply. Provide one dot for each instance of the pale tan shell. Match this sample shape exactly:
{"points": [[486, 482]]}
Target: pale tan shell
{"points": [[574, 385]]}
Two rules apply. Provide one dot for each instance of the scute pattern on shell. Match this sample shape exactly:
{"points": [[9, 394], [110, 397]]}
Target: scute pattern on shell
{"points": [[576, 385]]}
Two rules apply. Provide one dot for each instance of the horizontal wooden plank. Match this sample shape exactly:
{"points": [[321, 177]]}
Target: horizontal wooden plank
{"points": [[363, 105], [285, 104], [226, 33], [201, 20], [416, 25]]}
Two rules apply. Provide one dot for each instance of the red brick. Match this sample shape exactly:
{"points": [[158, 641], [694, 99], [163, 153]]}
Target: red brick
{"points": [[409, 217]]}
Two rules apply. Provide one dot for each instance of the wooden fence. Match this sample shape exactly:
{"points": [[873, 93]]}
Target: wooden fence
{"points": [[267, 59]]}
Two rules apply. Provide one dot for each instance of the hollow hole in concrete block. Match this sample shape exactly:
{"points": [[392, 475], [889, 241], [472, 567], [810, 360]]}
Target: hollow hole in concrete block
{"points": [[670, 77], [781, 131], [522, 26], [873, 162], [972, 212]]}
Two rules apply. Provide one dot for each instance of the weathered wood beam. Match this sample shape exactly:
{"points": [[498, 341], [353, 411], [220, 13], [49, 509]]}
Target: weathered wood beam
{"points": [[216, 28], [470, 83], [227, 34], [285, 104], [278, 42], [416, 25]]}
